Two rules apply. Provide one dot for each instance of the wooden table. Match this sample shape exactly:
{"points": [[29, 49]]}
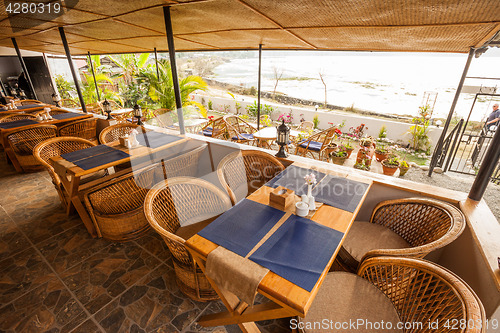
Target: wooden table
{"points": [[287, 298], [267, 134], [5, 132], [72, 174]]}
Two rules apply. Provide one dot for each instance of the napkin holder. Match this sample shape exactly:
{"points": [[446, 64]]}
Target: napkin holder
{"points": [[281, 198], [125, 141]]}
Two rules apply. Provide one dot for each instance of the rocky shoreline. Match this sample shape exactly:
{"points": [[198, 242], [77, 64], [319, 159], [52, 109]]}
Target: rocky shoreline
{"points": [[288, 100]]}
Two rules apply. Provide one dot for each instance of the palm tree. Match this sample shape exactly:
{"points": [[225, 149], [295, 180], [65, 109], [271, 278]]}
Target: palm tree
{"points": [[161, 89]]}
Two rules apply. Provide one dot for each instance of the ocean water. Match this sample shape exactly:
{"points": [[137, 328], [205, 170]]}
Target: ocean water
{"points": [[392, 83]]}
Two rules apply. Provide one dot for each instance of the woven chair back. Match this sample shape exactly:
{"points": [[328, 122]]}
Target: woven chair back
{"points": [[85, 129], [13, 117], [243, 172], [24, 141], [114, 132], [423, 292]]}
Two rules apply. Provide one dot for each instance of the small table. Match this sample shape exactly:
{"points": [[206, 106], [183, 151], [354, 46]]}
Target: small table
{"points": [[72, 174], [287, 298], [267, 135], [193, 125]]}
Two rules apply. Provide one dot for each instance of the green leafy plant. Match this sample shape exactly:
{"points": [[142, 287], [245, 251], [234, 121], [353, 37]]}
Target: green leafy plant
{"points": [[404, 164], [382, 133], [392, 161], [381, 150], [362, 166], [210, 104], [264, 109], [64, 87], [341, 152], [161, 91], [316, 121], [266, 121], [419, 132]]}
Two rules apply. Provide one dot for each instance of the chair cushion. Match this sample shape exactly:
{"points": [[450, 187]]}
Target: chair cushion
{"points": [[365, 236], [243, 136], [344, 298], [192, 229], [313, 145], [207, 131]]}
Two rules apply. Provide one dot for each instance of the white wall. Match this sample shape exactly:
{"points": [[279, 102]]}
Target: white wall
{"points": [[397, 131]]}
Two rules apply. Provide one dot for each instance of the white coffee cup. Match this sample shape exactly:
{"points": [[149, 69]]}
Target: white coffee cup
{"points": [[301, 209]]}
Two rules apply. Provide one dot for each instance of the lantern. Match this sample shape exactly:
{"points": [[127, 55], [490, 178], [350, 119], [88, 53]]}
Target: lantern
{"points": [[282, 138], [138, 114], [106, 106], [56, 99]]}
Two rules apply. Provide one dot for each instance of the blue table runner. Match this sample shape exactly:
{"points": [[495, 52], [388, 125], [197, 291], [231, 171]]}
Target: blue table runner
{"points": [[18, 123], [298, 251], [340, 192], [30, 106], [243, 226], [67, 115], [92, 157], [154, 139]]}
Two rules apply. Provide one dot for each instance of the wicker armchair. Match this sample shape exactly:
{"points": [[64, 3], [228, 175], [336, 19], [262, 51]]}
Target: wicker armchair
{"points": [[215, 128], [397, 290], [82, 128], [51, 112], [179, 201], [23, 141], [114, 132], [239, 130], [56, 147], [411, 227], [29, 101], [94, 108], [243, 172], [305, 126], [69, 103], [116, 206], [15, 116], [316, 143]]}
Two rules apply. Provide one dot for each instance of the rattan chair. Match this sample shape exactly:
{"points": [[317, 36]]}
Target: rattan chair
{"points": [[316, 143], [114, 132], [243, 172], [179, 201], [51, 112], [116, 206], [239, 130], [94, 108], [411, 227], [305, 126], [69, 103], [15, 116], [56, 147], [215, 128], [414, 292], [29, 101], [82, 128], [23, 141]]}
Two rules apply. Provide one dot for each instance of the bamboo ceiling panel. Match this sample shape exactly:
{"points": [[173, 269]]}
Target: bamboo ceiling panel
{"points": [[429, 39], [118, 26]]}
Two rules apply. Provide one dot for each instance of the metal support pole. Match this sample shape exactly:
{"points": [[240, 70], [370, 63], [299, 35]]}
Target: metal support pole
{"points": [[439, 146], [23, 65], [258, 88], [156, 62], [72, 68], [487, 168], [93, 74], [3, 87], [173, 67]]}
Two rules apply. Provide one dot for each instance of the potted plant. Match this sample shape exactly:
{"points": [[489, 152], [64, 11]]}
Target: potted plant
{"points": [[362, 166], [330, 148], [339, 156], [390, 165], [381, 153], [403, 167], [366, 151], [348, 148]]}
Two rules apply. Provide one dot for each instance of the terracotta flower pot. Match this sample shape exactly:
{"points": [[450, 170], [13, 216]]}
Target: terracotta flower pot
{"points": [[338, 160], [365, 155], [380, 156], [389, 169], [403, 170], [349, 151]]}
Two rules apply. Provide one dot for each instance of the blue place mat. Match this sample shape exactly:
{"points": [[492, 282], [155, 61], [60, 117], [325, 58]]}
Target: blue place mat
{"points": [[67, 115], [293, 179], [339, 192], [29, 106], [92, 157], [299, 251], [154, 139], [243, 226], [18, 123]]}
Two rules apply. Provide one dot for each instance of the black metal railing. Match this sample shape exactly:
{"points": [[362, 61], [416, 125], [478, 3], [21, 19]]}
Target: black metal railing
{"points": [[449, 145]]}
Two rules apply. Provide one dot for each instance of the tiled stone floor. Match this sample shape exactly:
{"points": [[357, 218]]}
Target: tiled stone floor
{"points": [[55, 278]]}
